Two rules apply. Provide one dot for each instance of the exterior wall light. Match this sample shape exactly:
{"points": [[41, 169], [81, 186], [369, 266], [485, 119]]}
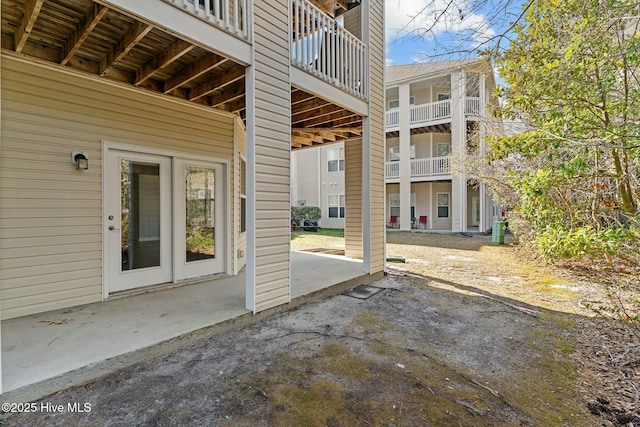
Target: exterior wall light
{"points": [[80, 160]]}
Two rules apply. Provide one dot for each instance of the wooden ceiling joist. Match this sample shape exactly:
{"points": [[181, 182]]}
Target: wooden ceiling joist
{"points": [[329, 109], [322, 120], [193, 71], [163, 60], [326, 129], [31, 12], [84, 29], [298, 96], [133, 35], [309, 105], [230, 93], [215, 84]]}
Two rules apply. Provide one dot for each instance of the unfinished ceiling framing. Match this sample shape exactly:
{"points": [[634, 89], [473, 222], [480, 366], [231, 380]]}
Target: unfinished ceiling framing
{"points": [[92, 38]]}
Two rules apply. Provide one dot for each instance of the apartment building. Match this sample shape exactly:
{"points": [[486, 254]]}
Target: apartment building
{"points": [[433, 114], [149, 142]]}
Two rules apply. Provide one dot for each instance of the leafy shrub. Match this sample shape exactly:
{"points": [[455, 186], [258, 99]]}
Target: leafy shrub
{"points": [[300, 213]]}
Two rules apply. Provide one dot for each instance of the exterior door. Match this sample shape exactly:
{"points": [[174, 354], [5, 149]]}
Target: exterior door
{"points": [[137, 209], [475, 211], [199, 212]]}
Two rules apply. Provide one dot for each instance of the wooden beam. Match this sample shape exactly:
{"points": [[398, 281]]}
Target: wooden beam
{"points": [[298, 96], [228, 94], [298, 141], [309, 105], [325, 129], [31, 11], [82, 31], [316, 121], [323, 111], [133, 35], [162, 60], [236, 106], [194, 70], [217, 83], [313, 137]]}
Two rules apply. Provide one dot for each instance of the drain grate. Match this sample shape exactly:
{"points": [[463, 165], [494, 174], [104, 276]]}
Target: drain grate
{"points": [[363, 291]]}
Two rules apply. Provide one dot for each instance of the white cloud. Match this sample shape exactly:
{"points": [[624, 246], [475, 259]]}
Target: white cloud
{"points": [[439, 17]]}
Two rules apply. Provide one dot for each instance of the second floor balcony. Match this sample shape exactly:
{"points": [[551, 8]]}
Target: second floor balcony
{"points": [[431, 112], [229, 15], [324, 48], [421, 168]]}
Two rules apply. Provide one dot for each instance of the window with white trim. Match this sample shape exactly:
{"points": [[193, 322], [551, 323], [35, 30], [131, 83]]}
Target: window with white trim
{"points": [[335, 159], [443, 205], [243, 195], [443, 149], [444, 96], [396, 102], [394, 153], [394, 205], [336, 205]]}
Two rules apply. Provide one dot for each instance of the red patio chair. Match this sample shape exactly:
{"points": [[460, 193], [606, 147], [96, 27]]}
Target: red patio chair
{"points": [[422, 220], [393, 222]]}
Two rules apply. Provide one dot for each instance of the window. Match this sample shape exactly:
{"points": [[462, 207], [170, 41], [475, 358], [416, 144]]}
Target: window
{"points": [[243, 195], [443, 149], [336, 206], [394, 205], [396, 102], [443, 205], [335, 158], [443, 96], [394, 153]]}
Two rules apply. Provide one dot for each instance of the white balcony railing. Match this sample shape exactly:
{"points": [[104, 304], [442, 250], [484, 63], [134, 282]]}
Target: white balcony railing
{"points": [[230, 15], [421, 113], [472, 106], [325, 49], [431, 112], [420, 168]]}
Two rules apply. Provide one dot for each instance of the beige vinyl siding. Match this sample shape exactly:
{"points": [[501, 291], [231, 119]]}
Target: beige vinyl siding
{"points": [[353, 198], [239, 252], [442, 187], [272, 148], [51, 213], [376, 110], [353, 21]]}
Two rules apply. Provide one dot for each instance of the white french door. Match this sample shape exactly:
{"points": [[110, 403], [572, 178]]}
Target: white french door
{"points": [[199, 209], [137, 221], [164, 219]]}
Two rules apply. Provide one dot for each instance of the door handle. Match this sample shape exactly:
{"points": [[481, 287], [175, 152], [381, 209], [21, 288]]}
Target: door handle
{"points": [[112, 228]]}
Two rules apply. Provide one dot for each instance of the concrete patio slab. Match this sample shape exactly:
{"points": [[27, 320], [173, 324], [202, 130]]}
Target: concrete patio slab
{"points": [[49, 345]]}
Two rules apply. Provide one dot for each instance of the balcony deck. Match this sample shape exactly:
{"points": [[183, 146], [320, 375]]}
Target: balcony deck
{"points": [[429, 167], [155, 46], [431, 113]]}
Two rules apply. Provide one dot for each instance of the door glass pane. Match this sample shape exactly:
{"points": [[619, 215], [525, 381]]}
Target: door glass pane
{"points": [[200, 213], [140, 218]]}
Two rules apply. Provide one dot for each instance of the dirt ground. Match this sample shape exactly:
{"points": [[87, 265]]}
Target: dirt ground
{"points": [[465, 333]]}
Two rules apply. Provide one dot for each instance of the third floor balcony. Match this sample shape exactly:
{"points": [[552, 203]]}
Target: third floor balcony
{"points": [[431, 112], [420, 168]]}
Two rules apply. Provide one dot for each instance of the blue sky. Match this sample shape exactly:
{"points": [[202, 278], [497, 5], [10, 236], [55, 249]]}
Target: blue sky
{"points": [[467, 25]]}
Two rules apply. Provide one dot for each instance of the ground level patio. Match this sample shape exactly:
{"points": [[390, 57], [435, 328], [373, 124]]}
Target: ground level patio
{"points": [[49, 351]]}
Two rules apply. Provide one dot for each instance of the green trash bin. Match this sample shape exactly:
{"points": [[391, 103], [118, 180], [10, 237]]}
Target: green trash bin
{"points": [[497, 234]]}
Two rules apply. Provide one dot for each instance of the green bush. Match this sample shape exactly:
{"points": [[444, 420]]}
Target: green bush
{"points": [[300, 213]]}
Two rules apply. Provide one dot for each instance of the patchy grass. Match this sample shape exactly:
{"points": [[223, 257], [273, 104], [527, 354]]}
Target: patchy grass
{"points": [[329, 232]]}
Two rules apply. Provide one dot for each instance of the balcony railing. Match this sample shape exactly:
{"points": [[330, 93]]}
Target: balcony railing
{"points": [[431, 166], [472, 106], [230, 15], [431, 112], [323, 48]]}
